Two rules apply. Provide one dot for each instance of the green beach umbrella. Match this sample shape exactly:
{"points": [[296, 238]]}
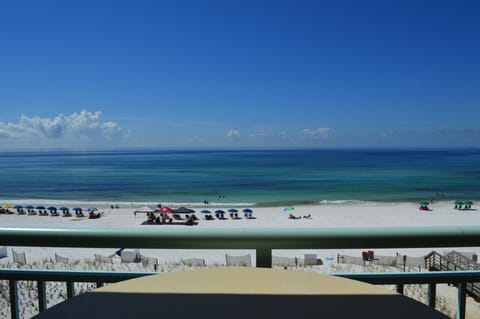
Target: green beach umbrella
{"points": [[458, 202], [424, 202], [467, 202]]}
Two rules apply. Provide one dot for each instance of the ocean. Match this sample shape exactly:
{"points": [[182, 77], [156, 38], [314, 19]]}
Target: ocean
{"points": [[237, 177]]}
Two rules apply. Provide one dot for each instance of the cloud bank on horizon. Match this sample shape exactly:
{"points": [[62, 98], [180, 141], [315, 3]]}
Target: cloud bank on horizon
{"points": [[77, 129], [88, 129]]}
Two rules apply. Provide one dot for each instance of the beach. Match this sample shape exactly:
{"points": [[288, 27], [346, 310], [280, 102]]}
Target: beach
{"points": [[358, 214], [371, 214]]}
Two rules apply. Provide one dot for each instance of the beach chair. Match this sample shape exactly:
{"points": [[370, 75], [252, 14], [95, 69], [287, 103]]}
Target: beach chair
{"points": [[19, 258], [238, 261]]}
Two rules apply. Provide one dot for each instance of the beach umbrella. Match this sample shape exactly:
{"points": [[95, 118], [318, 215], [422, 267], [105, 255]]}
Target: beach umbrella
{"points": [[63, 208], [247, 210], [183, 210], [205, 211], [424, 203], [7, 206], [52, 208], [288, 209], [76, 209], [164, 209], [219, 211], [29, 207], [40, 207], [458, 202], [468, 203], [233, 210], [18, 207]]}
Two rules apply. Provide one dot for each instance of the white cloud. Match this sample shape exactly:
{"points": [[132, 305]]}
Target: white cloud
{"points": [[232, 134], [83, 126], [318, 133]]}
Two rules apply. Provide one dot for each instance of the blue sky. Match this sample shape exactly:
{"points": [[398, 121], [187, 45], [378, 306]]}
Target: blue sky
{"points": [[81, 74]]}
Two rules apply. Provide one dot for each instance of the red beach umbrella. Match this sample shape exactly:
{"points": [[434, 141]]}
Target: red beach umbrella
{"points": [[164, 209]]}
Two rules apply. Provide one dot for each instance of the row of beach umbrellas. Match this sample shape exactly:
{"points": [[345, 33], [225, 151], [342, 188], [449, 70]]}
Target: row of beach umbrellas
{"points": [[231, 210], [183, 210], [51, 208], [458, 203]]}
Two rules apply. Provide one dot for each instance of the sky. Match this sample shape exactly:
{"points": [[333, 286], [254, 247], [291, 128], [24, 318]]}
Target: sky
{"points": [[202, 74]]}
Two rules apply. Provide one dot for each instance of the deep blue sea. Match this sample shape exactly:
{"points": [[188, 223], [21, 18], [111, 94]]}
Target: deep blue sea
{"points": [[238, 177]]}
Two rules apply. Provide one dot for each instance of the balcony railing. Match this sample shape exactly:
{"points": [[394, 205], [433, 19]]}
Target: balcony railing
{"points": [[263, 240]]}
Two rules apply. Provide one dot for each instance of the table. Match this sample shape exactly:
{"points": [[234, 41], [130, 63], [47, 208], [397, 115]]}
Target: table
{"points": [[241, 293]]}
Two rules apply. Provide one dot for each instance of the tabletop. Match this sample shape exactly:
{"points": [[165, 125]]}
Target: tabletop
{"points": [[241, 293]]}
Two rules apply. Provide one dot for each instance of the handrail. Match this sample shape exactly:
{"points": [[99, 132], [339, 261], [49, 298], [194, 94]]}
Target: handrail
{"points": [[244, 238]]}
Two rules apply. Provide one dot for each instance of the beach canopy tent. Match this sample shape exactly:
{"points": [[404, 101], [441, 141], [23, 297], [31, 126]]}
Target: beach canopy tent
{"points": [[183, 210], [143, 210]]}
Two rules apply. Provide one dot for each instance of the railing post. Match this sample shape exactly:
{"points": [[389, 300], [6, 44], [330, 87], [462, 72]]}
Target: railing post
{"points": [[400, 288], [462, 296], [70, 289], [13, 299], [264, 257], [432, 295], [42, 297]]}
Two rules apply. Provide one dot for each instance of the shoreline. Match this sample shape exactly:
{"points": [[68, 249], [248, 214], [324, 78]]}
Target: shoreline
{"points": [[221, 204]]}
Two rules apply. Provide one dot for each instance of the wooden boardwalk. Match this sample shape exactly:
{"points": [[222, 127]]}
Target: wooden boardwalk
{"points": [[454, 261]]}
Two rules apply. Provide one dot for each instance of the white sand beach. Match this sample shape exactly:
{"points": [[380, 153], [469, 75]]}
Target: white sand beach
{"points": [[358, 214]]}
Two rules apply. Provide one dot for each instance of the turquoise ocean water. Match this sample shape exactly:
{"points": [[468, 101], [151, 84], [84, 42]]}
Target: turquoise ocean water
{"points": [[241, 177]]}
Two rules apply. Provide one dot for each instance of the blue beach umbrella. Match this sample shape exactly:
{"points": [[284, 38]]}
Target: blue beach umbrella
{"points": [[76, 209], [63, 208], [233, 210], [40, 207], [18, 207], [206, 211], [247, 210], [29, 207], [219, 211], [52, 208]]}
